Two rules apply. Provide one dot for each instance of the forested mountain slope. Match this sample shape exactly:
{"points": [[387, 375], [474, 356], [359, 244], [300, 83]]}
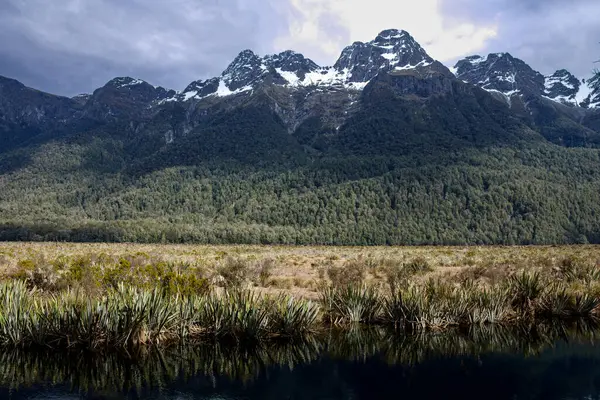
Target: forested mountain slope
{"points": [[387, 146]]}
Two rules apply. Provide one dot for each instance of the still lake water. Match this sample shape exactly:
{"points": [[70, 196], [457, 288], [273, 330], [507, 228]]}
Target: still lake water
{"points": [[484, 364]]}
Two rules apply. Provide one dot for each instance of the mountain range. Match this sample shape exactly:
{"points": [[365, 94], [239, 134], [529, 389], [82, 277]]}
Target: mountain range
{"points": [[387, 146]]}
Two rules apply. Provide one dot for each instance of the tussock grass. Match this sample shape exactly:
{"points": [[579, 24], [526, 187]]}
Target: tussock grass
{"points": [[129, 317]]}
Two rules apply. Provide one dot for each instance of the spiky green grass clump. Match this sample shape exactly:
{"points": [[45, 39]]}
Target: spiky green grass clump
{"points": [[129, 317], [438, 305], [351, 304]]}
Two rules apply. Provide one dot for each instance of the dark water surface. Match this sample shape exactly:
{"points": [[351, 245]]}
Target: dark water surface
{"points": [[551, 363]]}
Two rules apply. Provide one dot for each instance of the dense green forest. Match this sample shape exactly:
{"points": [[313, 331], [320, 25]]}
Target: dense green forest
{"points": [[539, 194]]}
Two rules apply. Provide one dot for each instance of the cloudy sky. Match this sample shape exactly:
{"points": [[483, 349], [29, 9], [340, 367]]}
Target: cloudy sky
{"points": [[74, 46]]}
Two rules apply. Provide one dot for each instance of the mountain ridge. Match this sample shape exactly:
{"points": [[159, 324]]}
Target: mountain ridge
{"points": [[387, 146], [395, 47]]}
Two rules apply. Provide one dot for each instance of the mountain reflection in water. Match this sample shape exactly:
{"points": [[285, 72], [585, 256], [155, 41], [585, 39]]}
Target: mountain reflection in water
{"points": [[545, 362]]}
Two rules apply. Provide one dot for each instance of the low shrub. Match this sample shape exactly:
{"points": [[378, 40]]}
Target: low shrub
{"points": [[418, 266], [351, 273], [264, 271], [235, 272], [290, 316], [397, 274]]}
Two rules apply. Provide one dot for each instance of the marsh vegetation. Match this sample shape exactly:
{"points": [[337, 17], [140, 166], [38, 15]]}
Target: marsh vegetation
{"points": [[120, 297]]}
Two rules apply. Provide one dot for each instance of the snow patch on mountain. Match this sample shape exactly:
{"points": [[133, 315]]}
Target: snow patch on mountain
{"points": [[391, 50], [583, 93], [289, 76], [506, 96], [224, 91], [125, 82], [562, 87], [188, 96], [422, 64]]}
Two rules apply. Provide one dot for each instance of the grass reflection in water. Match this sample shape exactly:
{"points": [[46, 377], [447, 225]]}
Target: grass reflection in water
{"points": [[151, 367]]}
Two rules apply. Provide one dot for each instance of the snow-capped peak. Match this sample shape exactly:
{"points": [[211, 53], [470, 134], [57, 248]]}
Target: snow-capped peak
{"points": [[390, 34], [244, 69], [562, 87], [290, 61], [391, 50], [126, 81], [500, 72], [503, 74]]}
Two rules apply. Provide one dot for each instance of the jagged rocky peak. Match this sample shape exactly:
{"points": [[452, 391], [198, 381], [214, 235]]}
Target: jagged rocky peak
{"points": [[135, 87], [246, 68], [290, 61], [562, 86], [242, 74], [500, 72], [199, 89], [125, 82], [391, 50], [124, 97]]}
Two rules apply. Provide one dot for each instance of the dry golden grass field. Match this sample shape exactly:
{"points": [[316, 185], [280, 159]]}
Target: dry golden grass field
{"points": [[296, 270]]}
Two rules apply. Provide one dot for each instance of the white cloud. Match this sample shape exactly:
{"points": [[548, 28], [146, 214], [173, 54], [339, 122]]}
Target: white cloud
{"points": [[324, 27]]}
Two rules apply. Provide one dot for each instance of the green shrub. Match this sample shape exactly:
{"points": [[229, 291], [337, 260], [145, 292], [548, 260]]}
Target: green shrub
{"points": [[120, 273], [77, 269], [189, 284], [24, 267]]}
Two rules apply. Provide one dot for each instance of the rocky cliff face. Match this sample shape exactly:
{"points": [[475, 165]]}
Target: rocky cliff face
{"points": [[26, 113], [500, 72], [124, 98]]}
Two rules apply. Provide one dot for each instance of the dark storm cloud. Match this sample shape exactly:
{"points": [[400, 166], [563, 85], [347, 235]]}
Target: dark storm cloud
{"points": [[548, 34], [74, 46]]}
